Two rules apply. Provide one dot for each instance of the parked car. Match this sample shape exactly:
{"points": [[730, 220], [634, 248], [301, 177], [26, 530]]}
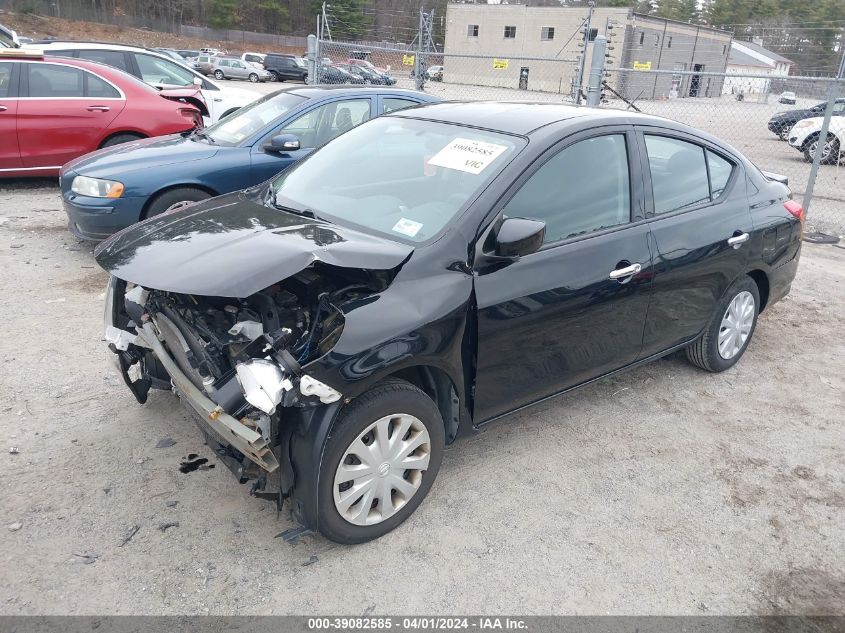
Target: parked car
{"points": [[233, 68], [787, 97], [9, 38], [285, 67], [53, 110], [256, 59], [805, 136], [369, 76], [172, 54], [337, 75], [155, 69], [204, 64], [188, 53], [435, 73], [782, 122], [335, 328], [365, 63], [238, 152]]}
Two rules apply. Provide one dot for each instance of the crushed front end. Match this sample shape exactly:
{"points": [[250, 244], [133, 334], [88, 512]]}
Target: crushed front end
{"points": [[236, 363]]}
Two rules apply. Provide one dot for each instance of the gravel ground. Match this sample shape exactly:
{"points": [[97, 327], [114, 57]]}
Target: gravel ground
{"points": [[663, 491]]}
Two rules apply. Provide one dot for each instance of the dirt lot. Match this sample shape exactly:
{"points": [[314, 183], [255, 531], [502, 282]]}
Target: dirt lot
{"points": [[664, 491]]}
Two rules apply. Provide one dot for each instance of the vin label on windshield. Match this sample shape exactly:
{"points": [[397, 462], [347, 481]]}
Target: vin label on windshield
{"points": [[467, 155]]}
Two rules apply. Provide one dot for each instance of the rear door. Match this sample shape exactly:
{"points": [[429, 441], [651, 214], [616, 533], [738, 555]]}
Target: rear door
{"points": [[56, 120], [314, 128], [701, 229], [575, 309], [10, 155]]}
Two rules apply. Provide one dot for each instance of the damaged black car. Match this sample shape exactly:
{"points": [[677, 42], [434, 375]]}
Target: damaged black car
{"points": [[433, 270]]}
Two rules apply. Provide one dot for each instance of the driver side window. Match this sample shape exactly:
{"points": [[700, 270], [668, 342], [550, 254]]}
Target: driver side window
{"points": [[317, 127], [583, 188]]}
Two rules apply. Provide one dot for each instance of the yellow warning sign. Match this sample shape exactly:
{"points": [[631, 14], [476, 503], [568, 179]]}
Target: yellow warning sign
{"points": [[642, 65], [500, 64], [407, 60]]}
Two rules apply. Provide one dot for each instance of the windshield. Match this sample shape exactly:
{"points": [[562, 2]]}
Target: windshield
{"points": [[163, 72], [252, 118], [410, 177]]}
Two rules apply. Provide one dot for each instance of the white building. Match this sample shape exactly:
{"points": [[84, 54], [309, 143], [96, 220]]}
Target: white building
{"points": [[750, 58]]}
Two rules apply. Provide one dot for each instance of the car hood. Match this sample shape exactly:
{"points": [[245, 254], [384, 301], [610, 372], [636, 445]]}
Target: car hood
{"points": [[238, 94], [793, 114], [234, 246], [141, 155]]}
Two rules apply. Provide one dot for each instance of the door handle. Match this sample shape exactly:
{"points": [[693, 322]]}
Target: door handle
{"points": [[3, 108], [738, 240], [621, 274], [96, 108]]}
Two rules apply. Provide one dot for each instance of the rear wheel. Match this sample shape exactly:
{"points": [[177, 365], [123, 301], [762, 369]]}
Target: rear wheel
{"points": [[119, 139], [174, 199], [218, 74], [274, 76], [730, 329], [379, 462]]}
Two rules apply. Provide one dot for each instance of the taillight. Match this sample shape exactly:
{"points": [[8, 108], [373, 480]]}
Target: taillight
{"points": [[193, 115], [795, 209]]}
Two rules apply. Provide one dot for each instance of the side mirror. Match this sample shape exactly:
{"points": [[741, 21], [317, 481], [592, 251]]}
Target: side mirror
{"points": [[519, 236], [282, 143], [197, 81]]}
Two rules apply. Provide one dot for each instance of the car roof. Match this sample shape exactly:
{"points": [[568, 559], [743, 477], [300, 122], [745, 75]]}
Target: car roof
{"points": [[47, 45], [315, 92], [522, 118]]}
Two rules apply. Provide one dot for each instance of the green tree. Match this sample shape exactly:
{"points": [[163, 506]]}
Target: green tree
{"points": [[346, 18], [223, 14]]}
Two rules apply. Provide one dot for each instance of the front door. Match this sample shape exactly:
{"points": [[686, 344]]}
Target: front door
{"points": [[575, 309], [702, 229]]}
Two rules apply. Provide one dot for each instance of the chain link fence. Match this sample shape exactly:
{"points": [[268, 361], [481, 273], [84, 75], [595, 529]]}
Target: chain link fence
{"points": [[740, 109]]}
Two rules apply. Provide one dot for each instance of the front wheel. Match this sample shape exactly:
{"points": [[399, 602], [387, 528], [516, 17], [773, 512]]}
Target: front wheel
{"points": [[274, 76], [253, 78], [830, 150], [730, 328], [379, 462], [218, 74], [175, 199], [783, 134]]}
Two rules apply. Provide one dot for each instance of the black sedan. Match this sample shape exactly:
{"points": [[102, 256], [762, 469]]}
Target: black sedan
{"points": [[335, 328], [781, 122]]}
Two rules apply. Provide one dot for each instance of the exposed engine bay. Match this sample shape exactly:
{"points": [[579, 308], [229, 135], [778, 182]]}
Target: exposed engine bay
{"points": [[242, 358]]}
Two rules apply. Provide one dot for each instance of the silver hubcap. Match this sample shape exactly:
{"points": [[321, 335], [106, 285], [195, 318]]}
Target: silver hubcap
{"points": [[736, 325], [382, 469]]}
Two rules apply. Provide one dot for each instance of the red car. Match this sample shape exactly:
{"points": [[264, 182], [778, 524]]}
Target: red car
{"points": [[53, 109]]}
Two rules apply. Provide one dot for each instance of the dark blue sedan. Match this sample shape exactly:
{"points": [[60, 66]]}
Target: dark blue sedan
{"points": [[110, 189]]}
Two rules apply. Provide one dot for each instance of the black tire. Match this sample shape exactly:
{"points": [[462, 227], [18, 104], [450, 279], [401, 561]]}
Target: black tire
{"points": [[783, 133], [218, 74], [704, 352], [165, 200], [253, 78], [274, 76], [833, 155], [119, 139], [393, 396]]}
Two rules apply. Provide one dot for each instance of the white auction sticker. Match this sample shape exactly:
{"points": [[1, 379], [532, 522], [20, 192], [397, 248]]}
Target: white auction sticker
{"points": [[407, 227], [467, 155]]}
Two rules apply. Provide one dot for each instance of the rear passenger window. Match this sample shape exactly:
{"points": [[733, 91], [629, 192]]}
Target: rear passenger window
{"points": [[98, 88], [391, 104], [584, 188], [720, 173], [111, 58], [678, 173], [47, 80]]}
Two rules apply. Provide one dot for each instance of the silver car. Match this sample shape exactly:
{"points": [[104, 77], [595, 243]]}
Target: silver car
{"points": [[233, 68]]}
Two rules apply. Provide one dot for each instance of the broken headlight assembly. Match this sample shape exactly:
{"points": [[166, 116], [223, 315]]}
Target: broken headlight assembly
{"points": [[96, 187], [263, 383]]}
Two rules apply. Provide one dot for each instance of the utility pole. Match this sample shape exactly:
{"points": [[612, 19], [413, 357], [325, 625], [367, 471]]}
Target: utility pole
{"points": [[422, 45], [579, 74], [841, 73]]}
